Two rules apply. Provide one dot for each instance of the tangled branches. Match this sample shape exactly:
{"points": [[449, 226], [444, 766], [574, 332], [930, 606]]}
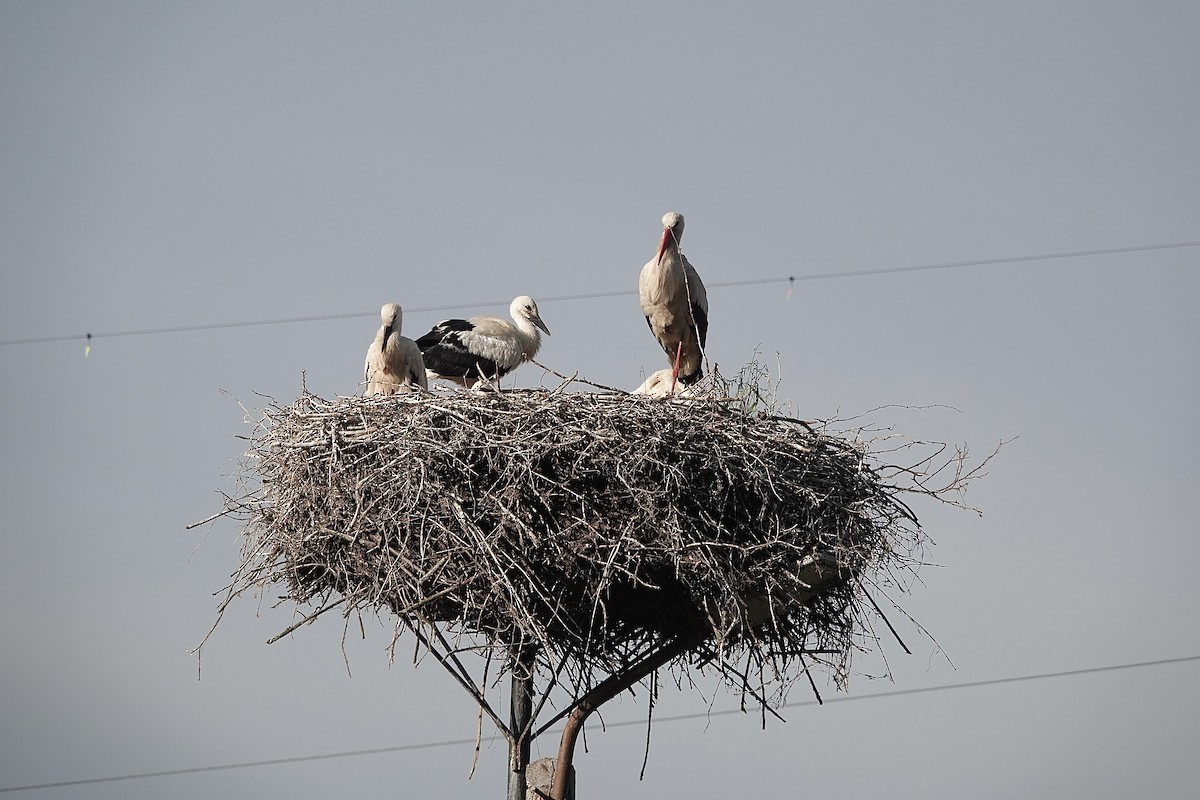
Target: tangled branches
{"points": [[582, 527]]}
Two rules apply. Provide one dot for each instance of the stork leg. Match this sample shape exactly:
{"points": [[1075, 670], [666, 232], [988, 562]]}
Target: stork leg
{"points": [[675, 370]]}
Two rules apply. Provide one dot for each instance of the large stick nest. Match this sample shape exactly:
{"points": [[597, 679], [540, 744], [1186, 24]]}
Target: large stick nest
{"points": [[591, 525]]}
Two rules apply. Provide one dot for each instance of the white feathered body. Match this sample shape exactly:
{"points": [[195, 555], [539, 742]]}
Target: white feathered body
{"points": [[658, 384], [676, 307], [394, 363], [466, 351]]}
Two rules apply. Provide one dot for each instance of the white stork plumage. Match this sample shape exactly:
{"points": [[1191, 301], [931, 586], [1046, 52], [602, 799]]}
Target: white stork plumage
{"points": [[470, 351], [394, 362], [659, 384], [675, 304]]}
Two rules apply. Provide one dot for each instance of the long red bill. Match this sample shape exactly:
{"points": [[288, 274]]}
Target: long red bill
{"points": [[662, 246]]}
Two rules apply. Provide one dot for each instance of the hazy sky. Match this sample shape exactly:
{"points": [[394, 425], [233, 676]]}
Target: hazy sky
{"points": [[172, 164]]}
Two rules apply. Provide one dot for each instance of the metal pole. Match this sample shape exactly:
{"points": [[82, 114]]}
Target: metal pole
{"points": [[520, 722], [603, 692]]}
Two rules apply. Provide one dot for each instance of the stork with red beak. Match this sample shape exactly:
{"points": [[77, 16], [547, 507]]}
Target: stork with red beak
{"points": [[675, 304]]}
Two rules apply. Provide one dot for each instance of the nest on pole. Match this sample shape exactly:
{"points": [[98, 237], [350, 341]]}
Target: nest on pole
{"points": [[585, 527]]}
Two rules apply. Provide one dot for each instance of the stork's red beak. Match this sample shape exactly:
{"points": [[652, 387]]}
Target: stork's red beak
{"points": [[662, 246]]}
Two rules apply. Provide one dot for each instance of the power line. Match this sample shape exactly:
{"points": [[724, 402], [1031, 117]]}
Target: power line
{"points": [[626, 723], [945, 265], [985, 262], [943, 688], [241, 765]]}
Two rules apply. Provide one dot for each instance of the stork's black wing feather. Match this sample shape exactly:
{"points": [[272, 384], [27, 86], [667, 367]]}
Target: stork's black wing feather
{"points": [[701, 319], [451, 360], [440, 331], [446, 353]]}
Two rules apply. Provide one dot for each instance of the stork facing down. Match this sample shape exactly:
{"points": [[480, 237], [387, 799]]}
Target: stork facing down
{"points": [[675, 304], [470, 351], [661, 384], [394, 362]]}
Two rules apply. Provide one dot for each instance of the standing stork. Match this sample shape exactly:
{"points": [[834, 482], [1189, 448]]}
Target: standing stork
{"points": [[470, 351], [675, 304], [394, 362]]}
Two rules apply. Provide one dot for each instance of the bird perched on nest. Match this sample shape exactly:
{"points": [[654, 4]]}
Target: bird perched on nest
{"points": [[675, 304], [659, 384], [394, 364], [470, 351]]}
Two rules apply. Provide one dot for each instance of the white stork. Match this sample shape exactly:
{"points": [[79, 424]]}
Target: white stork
{"points": [[394, 362], [470, 351], [659, 384], [675, 304]]}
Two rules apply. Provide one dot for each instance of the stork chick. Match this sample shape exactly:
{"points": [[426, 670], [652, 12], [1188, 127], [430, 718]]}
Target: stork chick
{"points": [[394, 362], [470, 351]]}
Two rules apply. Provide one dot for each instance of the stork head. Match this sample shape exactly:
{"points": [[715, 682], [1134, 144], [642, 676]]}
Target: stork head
{"points": [[390, 315], [672, 223], [524, 307]]}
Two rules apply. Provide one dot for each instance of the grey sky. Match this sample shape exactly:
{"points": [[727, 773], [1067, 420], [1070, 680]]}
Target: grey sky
{"points": [[170, 164]]}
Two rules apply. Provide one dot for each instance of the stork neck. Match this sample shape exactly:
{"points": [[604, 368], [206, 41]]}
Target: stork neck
{"points": [[528, 329], [531, 337], [669, 259]]}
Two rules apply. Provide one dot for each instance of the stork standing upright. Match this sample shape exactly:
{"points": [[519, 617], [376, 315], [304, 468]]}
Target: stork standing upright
{"points": [[470, 351], [675, 304], [394, 362]]}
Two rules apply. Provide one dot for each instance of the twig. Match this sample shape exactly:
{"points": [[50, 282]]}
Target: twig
{"points": [[882, 616], [574, 379], [207, 519], [304, 621]]}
